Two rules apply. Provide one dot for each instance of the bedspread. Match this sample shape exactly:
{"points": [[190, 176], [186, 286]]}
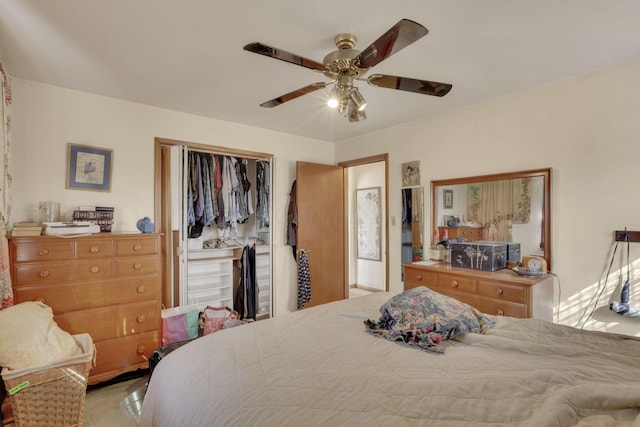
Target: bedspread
{"points": [[318, 367]]}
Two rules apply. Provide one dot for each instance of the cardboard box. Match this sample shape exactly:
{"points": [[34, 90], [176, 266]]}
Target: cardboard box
{"points": [[479, 255]]}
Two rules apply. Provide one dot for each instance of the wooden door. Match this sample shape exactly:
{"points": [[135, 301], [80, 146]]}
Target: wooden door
{"points": [[321, 219]]}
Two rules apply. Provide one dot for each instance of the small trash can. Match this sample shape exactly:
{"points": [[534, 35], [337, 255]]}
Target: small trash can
{"points": [[53, 394]]}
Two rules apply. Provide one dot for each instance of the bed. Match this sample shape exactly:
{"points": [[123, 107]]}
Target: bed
{"points": [[319, 367]]}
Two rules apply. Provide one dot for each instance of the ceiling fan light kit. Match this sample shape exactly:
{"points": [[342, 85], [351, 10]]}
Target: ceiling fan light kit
{"points": [[346, 65]]}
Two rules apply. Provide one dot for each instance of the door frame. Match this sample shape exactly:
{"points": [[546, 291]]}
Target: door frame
{"points": [[358, 162]]}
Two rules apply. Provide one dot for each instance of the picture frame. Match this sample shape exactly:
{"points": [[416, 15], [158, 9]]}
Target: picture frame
{"points": [[89, 168], [368, 224], [411, 174], [447, 199]]}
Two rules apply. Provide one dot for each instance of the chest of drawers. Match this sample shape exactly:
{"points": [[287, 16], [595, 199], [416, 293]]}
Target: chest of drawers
{"points": [[106, 285], [502, 292], [469, 233]]}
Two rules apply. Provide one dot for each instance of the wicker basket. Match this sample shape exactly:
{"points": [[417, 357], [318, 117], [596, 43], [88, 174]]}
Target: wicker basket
{"points": [[51, 395]]}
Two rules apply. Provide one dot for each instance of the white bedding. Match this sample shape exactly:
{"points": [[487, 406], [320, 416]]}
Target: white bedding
{"points": [[318, 367]]}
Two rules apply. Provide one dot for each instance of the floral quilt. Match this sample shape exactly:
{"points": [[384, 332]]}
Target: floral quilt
{"points": [[425, 318]]}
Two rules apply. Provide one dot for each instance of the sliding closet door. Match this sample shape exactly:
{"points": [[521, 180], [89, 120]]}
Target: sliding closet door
{"points": [[320, 203]]}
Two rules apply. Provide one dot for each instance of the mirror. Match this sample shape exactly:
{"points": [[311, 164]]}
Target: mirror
{"points": [[412, 224], [509, 207]]}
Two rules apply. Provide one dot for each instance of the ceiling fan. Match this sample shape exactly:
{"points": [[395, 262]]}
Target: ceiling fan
{"points": [[346, 65]]}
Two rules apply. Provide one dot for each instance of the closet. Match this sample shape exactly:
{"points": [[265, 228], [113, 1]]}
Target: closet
{"points": [[216, 202]]}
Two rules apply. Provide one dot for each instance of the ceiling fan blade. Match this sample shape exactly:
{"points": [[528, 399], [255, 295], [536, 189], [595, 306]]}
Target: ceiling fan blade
{"points": [[396, 38], [283, 55], [295, 94], [424, 87]]}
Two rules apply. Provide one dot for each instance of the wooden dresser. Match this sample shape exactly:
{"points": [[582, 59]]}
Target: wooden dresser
{"points": [[502, 292], [106, 285], [469, 233]]}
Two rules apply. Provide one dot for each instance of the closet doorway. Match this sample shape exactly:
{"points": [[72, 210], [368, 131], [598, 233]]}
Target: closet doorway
{"points": [[214, 208]]}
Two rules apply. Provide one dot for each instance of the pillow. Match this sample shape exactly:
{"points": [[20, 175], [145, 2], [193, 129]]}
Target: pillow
{"points": [[30, 337], [424, 318]]}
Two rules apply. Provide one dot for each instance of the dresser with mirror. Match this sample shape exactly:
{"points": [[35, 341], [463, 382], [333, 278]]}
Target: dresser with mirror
{"points": [[505, 207]]}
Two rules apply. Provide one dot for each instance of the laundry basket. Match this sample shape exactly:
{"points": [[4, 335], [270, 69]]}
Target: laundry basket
{"points": [[53, 394]]}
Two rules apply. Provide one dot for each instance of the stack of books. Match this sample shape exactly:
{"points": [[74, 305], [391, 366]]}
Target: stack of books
{"points": [[26, 229], [100, 215]]}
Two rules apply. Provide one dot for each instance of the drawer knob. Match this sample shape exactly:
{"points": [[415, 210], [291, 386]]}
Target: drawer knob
{"points": [[419, 277], [500, 312], [141, 289], [44, 252], [454, 283], [137, 265], [95, 249], [45, 273], [141, 318], [137, 247], [499, 291], [95, 269], [141, 349]]}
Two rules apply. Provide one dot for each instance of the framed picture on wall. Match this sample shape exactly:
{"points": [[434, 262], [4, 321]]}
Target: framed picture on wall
{"points": [[411, 174], [89, 168], [368, 225], [447, 199]]}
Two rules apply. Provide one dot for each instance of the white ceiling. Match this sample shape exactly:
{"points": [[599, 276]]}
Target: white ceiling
{"points": [[187, 55]]}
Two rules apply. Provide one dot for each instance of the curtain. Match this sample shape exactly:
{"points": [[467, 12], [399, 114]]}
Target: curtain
{"points": [[6, 293], [497, 205]]}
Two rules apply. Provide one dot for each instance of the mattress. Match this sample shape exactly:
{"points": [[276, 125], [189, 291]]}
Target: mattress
{"points": [[319, 367]]}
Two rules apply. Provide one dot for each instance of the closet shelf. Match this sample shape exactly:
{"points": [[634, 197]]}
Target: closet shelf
{"points": [[209, 275]]}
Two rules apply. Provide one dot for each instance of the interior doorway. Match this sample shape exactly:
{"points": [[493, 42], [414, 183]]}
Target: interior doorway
{"points": [[367, 232]]}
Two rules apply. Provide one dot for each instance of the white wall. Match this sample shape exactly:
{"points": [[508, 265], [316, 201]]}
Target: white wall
{"points": [[587, 129], [45, 118], [459, 200], [366, 273]]}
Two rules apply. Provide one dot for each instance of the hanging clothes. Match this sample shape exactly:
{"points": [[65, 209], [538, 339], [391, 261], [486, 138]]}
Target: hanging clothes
{"points": [[245, 202], [221, 222], [246, 294], [262, 189], [191, 215], [199, 200], [196, 198], [218, 192], [230, 186], [304, 279], [292, 220], [208, 215]]}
